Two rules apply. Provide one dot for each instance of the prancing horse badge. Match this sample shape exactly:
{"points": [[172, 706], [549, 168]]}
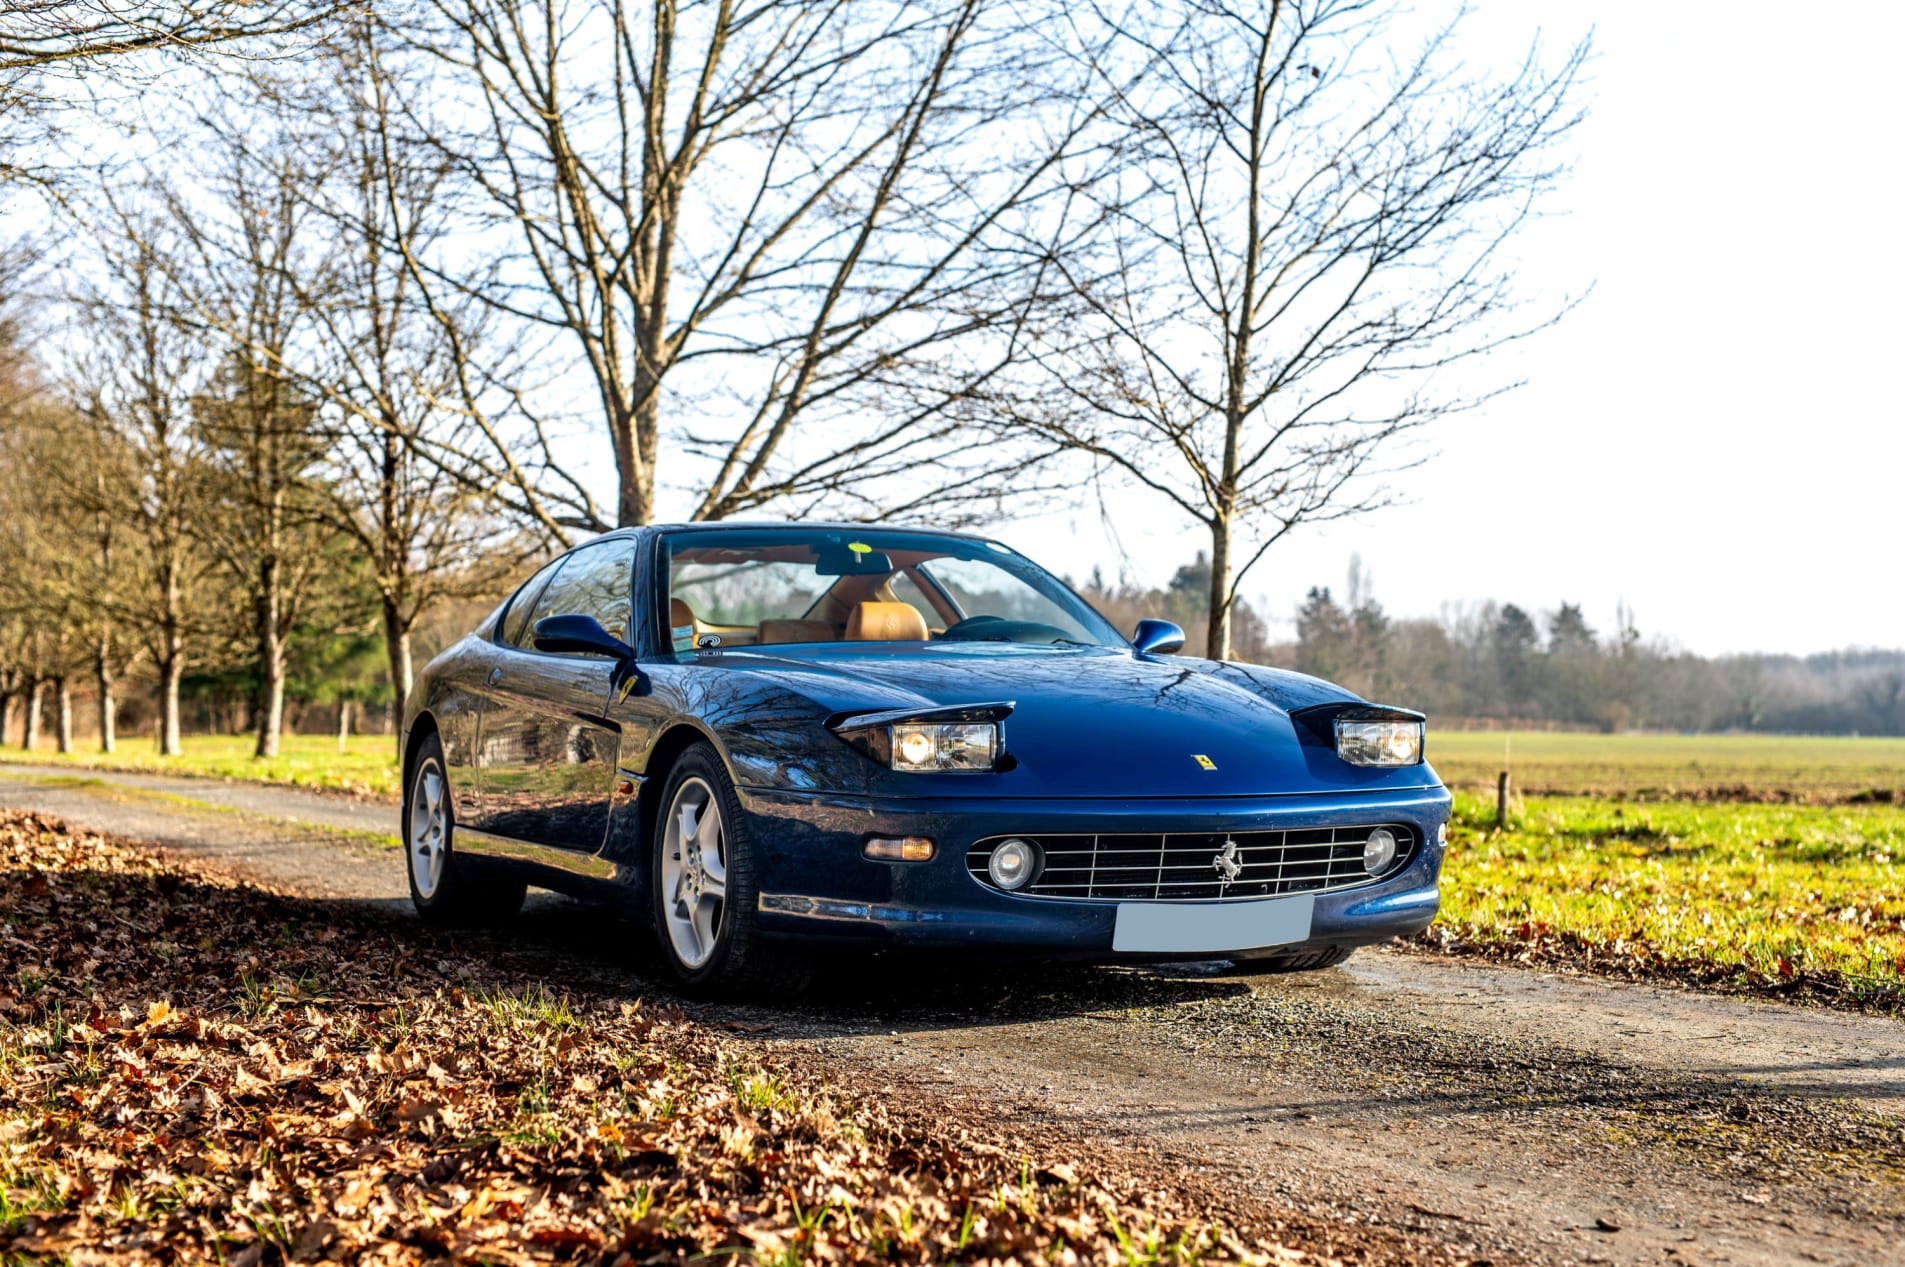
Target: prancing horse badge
{"points": [[1226, 863], [1203, 760]]}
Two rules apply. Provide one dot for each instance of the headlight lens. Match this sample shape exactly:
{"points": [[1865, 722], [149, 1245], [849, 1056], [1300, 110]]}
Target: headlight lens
{"points": [[1013, 864], [1379, 742], [919, 747]]}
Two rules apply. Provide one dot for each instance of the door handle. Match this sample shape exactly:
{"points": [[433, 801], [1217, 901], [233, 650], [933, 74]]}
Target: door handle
{"points": [[495, 676]]}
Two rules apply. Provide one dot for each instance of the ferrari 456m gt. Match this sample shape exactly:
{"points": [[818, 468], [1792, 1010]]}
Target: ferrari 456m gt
{"points": [[762, 738]]}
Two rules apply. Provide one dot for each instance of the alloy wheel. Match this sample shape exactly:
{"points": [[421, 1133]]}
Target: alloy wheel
{"points": [[694, 872], [429, 829]]}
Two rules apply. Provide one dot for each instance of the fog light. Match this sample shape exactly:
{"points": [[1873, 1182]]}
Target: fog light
{"points": [[1379, 851], [1013, 864], [905, 849]]}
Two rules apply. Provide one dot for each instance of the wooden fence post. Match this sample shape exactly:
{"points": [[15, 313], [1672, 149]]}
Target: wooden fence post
{"points": [[1501, 801]]}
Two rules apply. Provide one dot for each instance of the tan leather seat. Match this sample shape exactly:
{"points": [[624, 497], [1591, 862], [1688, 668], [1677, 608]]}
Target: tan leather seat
{"points": [[682, 616], [886, 622], [796, 631]]}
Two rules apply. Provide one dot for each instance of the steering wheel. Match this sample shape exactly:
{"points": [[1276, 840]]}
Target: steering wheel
{"points": [[971, 629], [999, 629]]}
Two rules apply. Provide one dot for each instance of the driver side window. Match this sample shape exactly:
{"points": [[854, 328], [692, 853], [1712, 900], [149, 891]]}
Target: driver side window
{"points": [[594, 581], [516, 622]]}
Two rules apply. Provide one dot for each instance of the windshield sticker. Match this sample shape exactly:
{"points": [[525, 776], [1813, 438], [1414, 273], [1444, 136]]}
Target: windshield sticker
{"points": [[859, 547], [684, 636]]}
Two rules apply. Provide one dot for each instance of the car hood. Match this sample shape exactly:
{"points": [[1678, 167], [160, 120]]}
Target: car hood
{"points": [[1091, 721]]}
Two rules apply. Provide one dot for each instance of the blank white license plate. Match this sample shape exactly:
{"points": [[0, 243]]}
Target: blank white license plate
{"points": [[1197, 927]]}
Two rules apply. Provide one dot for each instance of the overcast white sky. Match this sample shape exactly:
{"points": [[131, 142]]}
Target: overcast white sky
{"points": [[1717, 435]]}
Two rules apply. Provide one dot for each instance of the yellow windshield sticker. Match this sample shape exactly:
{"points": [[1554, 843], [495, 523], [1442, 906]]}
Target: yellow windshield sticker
{"points": [[859, 547]]}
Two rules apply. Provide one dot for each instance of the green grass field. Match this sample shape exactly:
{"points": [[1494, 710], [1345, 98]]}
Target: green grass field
{"points": [[368, 767], [1669, 767], [1774, 896], [1756, 861]]}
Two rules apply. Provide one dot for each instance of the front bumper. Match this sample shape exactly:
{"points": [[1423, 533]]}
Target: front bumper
{"points": [[814, 884]]}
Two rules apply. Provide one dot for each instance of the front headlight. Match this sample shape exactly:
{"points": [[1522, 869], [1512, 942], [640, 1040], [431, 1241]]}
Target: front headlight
{"points": [[1384, 743], [923, 747]]}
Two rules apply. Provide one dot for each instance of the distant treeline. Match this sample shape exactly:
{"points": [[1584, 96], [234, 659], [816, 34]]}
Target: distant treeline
{"points": [[1504, 663]]}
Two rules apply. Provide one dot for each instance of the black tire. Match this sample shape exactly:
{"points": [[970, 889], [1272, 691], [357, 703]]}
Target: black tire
{"points": [[1300, 961], [734, 960], [461, 895]]}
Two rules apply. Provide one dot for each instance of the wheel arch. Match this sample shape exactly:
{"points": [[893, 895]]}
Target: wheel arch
{"points": [[424, 727], [677, 738]]}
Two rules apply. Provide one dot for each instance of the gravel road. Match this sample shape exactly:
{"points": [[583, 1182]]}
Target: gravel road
{"points": [[1493, 1114]]}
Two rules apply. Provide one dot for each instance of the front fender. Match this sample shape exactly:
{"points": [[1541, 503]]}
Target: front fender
{"points": [[771, 737]]}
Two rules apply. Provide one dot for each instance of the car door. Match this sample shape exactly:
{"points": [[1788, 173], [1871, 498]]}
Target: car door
{"points": [[548, 750], [477, 669]]}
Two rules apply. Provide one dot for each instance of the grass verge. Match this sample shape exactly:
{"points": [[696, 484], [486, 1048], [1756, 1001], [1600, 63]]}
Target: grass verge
{"points": [[368, 766], [201, 1070], [1796, 900]]}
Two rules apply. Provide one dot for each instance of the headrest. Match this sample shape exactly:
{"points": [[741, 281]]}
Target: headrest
{"points": [[796, 631], [886, 622], [680, 615]]}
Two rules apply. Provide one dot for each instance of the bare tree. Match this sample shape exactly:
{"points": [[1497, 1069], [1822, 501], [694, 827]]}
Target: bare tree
{"points": [[801, 229], [35, 34], [133, 387], [42, 584], [397, 372], [45, 39], [395, 384], [1306, 235], [107, 552]]}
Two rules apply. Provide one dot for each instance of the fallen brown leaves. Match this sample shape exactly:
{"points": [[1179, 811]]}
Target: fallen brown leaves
{"points": [[193, 1069]]}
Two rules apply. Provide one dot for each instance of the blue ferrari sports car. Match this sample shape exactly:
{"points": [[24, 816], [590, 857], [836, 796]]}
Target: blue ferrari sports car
{"points": [[760, 738]]}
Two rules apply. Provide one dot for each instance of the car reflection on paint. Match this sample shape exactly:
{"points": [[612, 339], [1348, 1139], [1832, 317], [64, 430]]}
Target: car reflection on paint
{"points": [[766, 737]]}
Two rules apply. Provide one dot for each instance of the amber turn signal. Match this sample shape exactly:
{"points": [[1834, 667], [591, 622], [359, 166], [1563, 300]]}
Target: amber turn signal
{"points": [[907, 849]]}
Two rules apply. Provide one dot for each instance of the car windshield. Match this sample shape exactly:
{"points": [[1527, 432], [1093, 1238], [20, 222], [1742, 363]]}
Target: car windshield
{"points": [[746, 587]]}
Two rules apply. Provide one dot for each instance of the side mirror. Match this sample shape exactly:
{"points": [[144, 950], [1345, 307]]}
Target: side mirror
{"points": [[1152, 637], [582, 635]]}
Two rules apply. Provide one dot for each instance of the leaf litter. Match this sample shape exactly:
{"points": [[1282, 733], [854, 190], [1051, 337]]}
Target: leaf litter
{"points": [[194, 1068]]}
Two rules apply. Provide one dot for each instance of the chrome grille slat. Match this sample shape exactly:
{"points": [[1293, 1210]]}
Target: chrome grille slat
{"points": [[1179, 866]]}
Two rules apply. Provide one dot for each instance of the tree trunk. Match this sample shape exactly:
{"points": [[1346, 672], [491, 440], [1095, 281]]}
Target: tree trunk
{"points": [[1217, 636], [30, 732], [343, 725], [635, 433], [108, 703], [271, 708], [403, 678], [171, 743], [63, 713], [8, 703], [270, 656]]}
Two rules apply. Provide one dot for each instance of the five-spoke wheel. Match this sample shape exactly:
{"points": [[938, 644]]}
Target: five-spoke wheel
{"points": [[703, 887], [445, 888], [429, 828], [694, 872]]}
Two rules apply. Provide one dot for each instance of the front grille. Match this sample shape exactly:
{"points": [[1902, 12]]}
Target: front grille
{"points": [[1180, 866]]}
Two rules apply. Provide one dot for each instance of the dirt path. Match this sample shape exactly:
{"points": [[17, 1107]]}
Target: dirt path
{"points": [[1508, 1115], [325, 846]]}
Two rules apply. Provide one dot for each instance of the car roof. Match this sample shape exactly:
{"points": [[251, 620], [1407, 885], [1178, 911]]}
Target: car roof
{"points": [[755, 525]]}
